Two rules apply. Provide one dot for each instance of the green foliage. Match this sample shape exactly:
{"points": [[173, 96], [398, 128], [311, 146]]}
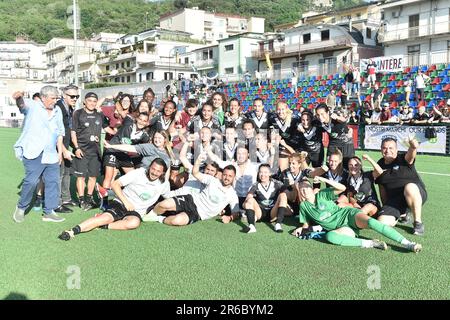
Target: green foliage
{"points": [[43, 20]]}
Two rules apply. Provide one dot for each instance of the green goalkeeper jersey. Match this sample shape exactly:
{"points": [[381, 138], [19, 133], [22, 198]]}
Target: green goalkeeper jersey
{"points": [[325, 211]]}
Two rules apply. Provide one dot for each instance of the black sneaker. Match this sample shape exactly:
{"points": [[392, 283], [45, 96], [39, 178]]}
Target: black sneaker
{"points": [[63, 209], [82, 204], [70, 203], [419, 228], [66, 235], [406, 218], [89, 204]]}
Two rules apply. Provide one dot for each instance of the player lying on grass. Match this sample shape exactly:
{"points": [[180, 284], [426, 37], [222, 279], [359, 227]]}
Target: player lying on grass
{"points": [[141, 189], [212, 199], [342, 224]]}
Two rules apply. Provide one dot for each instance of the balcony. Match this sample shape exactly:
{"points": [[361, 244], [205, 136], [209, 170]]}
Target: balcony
{"points": [[206, 64], [394, 33], [116, 58], [304, 48]]}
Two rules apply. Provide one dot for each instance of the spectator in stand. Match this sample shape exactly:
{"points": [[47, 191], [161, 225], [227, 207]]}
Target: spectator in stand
{"points": [[294, 80], [357, 84], [422, 116], [386, 114], [247, 78], [405, 115], [344, 95], [366, 112], [376, 116], [421, 81], [371, 73], [258, 77], [377, 96], [149, 96], [331, 99], [408, 84], [354, 118], [349, 80], [442, 115], [36, 96]]}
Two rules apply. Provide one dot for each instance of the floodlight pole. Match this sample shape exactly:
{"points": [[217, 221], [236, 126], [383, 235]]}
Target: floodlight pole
{"points": [[75, 42]]}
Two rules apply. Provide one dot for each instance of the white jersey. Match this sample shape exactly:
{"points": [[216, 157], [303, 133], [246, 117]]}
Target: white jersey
{"points": [[214, 198], [140, 191], [192, 186]]}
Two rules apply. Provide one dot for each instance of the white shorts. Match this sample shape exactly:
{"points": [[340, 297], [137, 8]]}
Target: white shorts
{"points": [[372, 78]]}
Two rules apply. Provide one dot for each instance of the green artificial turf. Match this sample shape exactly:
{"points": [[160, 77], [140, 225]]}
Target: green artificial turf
{"points": [[210, 260]]}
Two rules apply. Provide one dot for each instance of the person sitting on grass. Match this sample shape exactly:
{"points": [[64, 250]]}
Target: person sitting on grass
{"points": [[141, 189], [361, 190], [263, 202], [207, 204], [342, 224]]}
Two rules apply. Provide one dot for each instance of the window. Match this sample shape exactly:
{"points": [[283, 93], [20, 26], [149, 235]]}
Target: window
{"points": [[414, 55], [301, 66], [358, 16], [229, 70], [414, 25], [128, 78], [123, 65], [116, 79], [107, 68], [307, 38], [220, 35], [13, 114], [122, 79], [35, 74], [210, 54], [180, 76], [149, 76], [325, 35], [205, 55], [229, 47], [128, 64], [186, 60], [117, 66], [140, 77], [369, 33], [168, 75]]}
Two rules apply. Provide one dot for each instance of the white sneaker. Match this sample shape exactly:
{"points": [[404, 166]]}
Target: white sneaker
{"points": [[19, 215], [251, 228], [414, 247], [150, 217], [278, 228]]}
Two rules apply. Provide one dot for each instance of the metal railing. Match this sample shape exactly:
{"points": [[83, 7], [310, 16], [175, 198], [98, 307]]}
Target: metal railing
{"points": [[301, 47], [396, 33], [427, 58]]}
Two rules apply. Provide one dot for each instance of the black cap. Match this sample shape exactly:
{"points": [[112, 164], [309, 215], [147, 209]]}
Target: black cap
{"points": [[90, 95]]}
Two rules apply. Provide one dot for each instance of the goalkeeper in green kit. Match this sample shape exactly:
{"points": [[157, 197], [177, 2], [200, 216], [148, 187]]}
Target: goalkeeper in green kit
{"points": [[342, 224]]}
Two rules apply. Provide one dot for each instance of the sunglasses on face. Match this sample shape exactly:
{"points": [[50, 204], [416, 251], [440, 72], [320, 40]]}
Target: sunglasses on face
{"points": [[73, 97]]}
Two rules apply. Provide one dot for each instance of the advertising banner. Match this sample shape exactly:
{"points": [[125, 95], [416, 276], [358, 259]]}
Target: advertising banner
{"points": [[375, 134], [384, 64]]}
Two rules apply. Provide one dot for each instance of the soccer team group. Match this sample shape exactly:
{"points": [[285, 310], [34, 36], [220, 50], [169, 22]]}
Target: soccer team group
{"points": [[178, 167]]}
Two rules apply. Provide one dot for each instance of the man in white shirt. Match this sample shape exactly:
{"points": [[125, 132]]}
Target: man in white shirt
{"points": [[141, 189], [421, 80], [205, 205]]}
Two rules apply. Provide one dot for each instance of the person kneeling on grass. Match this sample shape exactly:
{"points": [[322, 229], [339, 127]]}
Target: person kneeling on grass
{"points": [[207, 204], [141, 189], [342, 224]]}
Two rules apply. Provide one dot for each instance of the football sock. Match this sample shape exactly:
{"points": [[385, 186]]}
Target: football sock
{"points": [[76, 230], [250, 216], [385, 230], [282, 211]]}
